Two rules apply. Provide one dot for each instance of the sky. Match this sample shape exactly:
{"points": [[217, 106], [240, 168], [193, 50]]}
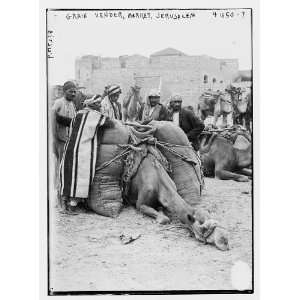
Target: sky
{"points": [[208, 32]]}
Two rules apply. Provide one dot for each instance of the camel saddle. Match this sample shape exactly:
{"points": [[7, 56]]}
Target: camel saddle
{"points": [[141, 137], [235, 134]]}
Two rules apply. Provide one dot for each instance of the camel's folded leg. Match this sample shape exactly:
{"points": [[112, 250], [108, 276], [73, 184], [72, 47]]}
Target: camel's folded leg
{"points": [[247, 172], [227, 175], [160, 217]]}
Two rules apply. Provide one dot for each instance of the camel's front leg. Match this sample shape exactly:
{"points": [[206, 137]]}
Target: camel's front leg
{"points": [[216, 116], [227, 175], [145, 199], [203, 114], [160, 217], [246, 171], [224, 120]]}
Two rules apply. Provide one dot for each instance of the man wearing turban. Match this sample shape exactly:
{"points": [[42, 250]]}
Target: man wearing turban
{"points": [[186, 120], [153, 109], [62, 114], [110, 106]]}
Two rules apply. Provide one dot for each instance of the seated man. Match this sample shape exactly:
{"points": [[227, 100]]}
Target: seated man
{"points": [[186, 120], [152, 109]]}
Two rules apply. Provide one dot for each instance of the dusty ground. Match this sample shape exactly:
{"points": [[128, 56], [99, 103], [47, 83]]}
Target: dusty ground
{"points": [[88, 255]]}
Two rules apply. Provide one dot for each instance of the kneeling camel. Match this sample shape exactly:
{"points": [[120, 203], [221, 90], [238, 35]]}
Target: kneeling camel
{"points": [[226, 160], [152, 187]]}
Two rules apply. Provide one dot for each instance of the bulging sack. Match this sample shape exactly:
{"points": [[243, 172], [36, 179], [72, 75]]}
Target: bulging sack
{"points": [[186, 166], [106, 191]]}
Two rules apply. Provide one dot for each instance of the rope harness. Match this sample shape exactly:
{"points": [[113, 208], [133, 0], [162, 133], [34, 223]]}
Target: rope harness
{"points": [[168, 147], [137, 145], [229, 133], [124, 153]]}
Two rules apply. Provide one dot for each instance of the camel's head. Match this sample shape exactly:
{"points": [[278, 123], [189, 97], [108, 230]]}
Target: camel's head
{"points": [[207, 230], [242, 101], [136, 88], [219, 238]]}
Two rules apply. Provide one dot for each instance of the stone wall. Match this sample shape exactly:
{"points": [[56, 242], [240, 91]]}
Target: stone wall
{"points": [[187, 75]]}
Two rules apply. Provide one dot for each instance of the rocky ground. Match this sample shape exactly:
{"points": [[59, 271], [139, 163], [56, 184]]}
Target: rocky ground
{"points": [[87, 254]]}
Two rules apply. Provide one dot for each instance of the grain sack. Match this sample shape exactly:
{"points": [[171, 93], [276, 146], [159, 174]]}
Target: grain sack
{"points": [[106, 191], [185, 164], [106, 196]]}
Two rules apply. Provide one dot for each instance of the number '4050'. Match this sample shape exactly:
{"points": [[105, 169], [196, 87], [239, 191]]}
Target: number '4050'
{"points": [[227, 14]]}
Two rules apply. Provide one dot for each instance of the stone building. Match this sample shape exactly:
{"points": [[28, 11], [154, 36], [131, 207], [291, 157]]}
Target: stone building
{"points": [[243, 79], [171, 70]]}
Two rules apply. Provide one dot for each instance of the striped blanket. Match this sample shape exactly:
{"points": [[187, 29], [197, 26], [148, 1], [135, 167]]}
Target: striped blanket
{"points": [[77, 167]]}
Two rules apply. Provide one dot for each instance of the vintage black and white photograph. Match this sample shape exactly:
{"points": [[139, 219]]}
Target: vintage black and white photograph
{"points": [[150, 151]]}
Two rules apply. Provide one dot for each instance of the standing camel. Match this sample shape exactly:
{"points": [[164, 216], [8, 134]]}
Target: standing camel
{"points": [[242, 104], [215, 104], [131, 104], [223, 108]]}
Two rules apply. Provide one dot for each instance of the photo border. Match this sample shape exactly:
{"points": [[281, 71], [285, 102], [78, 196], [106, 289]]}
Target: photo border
{"points": [[148, 292]]}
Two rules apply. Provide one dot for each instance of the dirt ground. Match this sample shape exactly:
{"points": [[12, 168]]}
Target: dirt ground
{"points": [[86, 253]]}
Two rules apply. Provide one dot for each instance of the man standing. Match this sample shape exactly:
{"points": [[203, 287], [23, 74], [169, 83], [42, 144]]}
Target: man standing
{"points": [[62, 114], [80, 153], [110, 106], [153, 109], [186, 119]]}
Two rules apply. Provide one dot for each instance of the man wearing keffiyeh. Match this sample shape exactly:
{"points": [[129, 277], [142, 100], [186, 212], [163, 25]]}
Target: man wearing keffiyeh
{"points": [[186, 120], [153, 109], [79, 158], [110, 106]]}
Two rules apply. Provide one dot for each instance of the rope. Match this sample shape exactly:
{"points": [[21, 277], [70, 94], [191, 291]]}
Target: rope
{"points": [[183, 157], [167, 146], [201, 179], [122, 154], [128, 148], [138, 125], [175, 145], [233, 128]]}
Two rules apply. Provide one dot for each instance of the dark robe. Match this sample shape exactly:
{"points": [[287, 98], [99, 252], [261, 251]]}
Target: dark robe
{"points": [[191, 125]]}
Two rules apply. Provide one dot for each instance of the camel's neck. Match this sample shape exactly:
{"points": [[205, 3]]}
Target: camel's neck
{"points": [[171, 200], [205, 142], [133, 106]]}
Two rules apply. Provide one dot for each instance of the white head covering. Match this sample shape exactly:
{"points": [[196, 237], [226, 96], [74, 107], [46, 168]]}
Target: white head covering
{"points": [[91, 101], [147, 108], [176, 97], [114, 89], [154, 93]]}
